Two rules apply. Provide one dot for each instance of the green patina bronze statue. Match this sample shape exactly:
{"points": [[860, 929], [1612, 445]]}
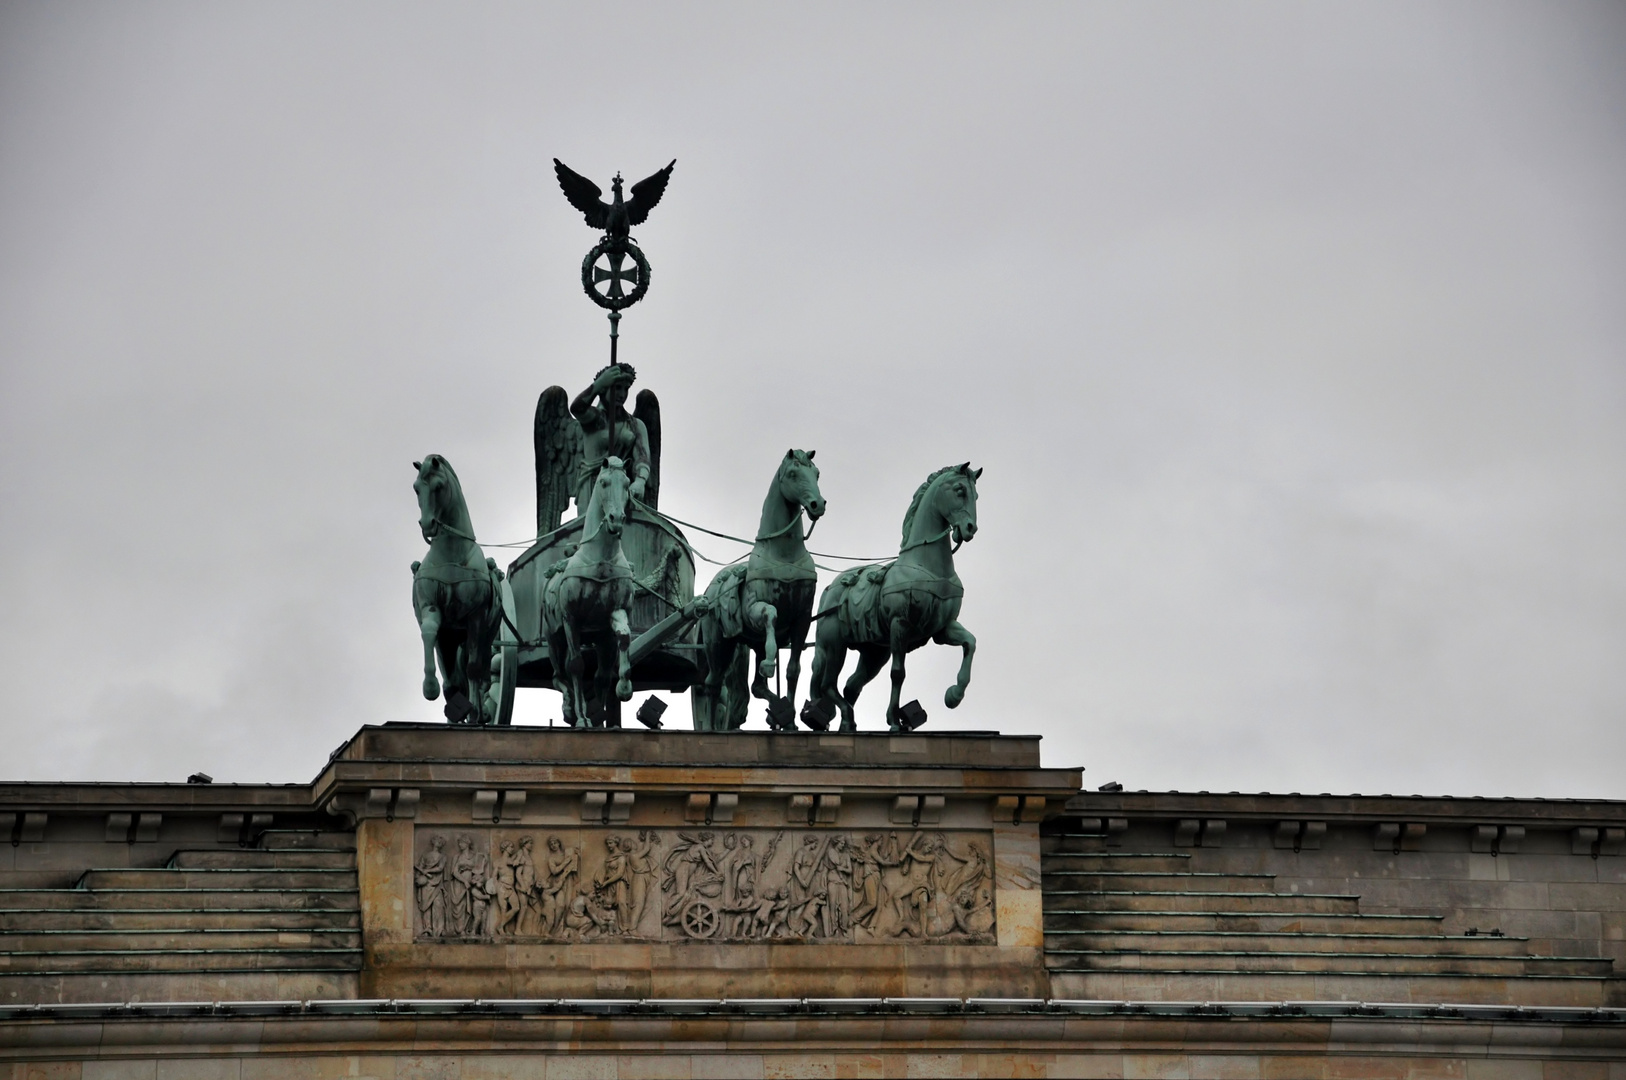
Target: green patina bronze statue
{"points": [[574, 440], [892, 609], [585, 603], [604, 604], [457, 596], [756, 606]]}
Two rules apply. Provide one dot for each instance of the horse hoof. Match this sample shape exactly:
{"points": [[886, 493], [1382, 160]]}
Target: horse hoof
{"points": [[431, 688], [623, 689], [953, 696]]}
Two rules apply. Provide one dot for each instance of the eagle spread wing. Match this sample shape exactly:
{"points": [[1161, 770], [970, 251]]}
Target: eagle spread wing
{"points": [[648, 410], [645, 194], [587, 196], [557, 436]]}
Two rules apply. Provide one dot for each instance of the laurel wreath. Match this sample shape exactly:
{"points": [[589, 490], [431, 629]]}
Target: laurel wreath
{"points": [[604, 247]]}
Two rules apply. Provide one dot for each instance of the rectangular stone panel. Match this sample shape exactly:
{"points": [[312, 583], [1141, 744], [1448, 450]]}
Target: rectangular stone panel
{"points": [[621, 886]]}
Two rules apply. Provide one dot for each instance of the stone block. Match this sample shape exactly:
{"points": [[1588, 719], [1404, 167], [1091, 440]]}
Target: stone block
{"points": [[146, 829], [121, 1070], [33, 828], [231, 828], [118, 827]]}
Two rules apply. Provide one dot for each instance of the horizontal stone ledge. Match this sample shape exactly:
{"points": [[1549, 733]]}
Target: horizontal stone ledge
{"points": [[1602, 1017]]}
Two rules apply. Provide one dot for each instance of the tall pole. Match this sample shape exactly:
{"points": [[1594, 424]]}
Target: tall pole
{"points": [[609, 409]]}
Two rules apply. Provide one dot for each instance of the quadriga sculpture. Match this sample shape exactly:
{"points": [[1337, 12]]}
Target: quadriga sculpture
{"points": [[584, 605], [895, 608], [757, 606], [456, 595]]}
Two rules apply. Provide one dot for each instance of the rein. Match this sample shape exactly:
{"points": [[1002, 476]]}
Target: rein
{"points": [[933, 540], [777, 533]]}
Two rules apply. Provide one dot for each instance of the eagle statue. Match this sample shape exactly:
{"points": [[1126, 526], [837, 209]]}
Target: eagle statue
{"points": [[619, 216]]}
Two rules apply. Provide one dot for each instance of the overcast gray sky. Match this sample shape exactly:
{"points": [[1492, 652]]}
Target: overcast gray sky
{"points": [[1292, 339]]}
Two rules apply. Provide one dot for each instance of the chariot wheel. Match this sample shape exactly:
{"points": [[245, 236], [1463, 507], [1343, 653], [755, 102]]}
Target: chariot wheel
{"points": [[607, 265], [700, 919]]}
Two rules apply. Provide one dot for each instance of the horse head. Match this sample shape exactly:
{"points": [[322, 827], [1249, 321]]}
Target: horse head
{"points": [[440, 499], [798, 482], [607, 508], [956, 500], [951, 494]]}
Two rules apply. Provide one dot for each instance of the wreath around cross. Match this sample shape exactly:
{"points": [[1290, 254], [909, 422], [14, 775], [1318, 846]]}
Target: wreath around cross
{"points": [[615, 297]]}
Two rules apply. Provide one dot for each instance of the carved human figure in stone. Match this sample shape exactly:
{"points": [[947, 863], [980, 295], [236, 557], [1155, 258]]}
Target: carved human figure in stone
{"points": [[768, 919], [808, 905], [691, 873], [505, 919], [530, 917], [974, 910], [740, 869], [482, 893], [838, 875], [641, 862], [612, 887], [458, 882], [586, 918], [869, 867], [429, 879], [562, 867]]}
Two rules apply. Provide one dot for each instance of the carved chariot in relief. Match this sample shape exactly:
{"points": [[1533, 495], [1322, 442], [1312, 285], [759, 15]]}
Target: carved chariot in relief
{"points": [[674, 885]]}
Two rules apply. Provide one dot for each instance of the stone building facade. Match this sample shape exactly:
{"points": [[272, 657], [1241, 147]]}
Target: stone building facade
{"points": [[445, 902]]}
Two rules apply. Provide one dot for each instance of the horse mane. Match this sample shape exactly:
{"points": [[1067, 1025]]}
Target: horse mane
{"points": [[467, 524], [920, 496]]}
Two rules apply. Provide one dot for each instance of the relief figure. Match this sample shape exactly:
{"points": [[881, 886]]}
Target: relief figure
{"points": [[429, 879], [558, 890]]}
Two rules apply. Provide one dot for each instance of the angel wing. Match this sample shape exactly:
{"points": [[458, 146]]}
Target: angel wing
{"points": [[557, 437], [648, 409], [645, 194], [587, 196]]}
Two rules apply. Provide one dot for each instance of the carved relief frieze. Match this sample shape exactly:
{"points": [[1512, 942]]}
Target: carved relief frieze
{"points": [[781, 885]]}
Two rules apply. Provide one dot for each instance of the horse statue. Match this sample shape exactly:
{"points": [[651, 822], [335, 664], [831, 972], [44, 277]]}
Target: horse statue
{"points": [[456, 595], [584, 607], [755, 606], [894, 608]]}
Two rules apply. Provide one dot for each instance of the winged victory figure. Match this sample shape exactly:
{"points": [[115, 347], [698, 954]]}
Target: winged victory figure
{"points": [[572, 443], [617, 217]]}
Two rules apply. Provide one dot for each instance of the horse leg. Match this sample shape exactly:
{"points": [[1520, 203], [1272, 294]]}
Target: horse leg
{"points": [[870, 659], [558, 656], [763, 614], [703, 695], [573, 664], [736, 699], [955, 634], [793, 670], [829, 654], [900, 649], [429, 626], [623, 663]]}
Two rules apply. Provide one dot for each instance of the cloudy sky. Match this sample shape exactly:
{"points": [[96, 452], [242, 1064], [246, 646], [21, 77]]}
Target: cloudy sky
{"points": [[1292, 339]]}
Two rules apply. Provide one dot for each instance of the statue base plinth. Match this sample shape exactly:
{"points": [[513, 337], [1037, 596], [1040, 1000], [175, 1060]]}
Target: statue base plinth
{"points": [[535, 862]]}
